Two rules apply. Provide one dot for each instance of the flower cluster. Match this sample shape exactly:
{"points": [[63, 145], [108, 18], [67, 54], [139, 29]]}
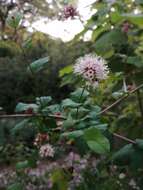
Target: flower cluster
{"points": [[77, 164], [126, 27], [92, 68], [46, 151], [40, 138], [69, 12]]}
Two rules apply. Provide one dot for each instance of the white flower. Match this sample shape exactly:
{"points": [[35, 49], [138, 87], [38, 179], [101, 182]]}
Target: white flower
{"points": [[92, 68], [122, 176], [46, 151]]}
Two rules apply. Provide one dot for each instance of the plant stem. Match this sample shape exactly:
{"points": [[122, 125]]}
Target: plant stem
{"points": [[124, 138], [77, 112], [120, 99], [29, 115], [140, 102]]}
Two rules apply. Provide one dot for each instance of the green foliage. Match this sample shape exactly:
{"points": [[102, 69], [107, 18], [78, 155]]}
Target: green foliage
{"points": [[14, 20], [85, 124], [16, 186], [96, 141], [38, 65]]}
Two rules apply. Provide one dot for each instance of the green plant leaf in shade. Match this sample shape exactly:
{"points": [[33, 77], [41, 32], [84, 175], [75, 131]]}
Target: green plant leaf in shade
{"points": [[79, 95], [20, 125], [69, 103], [22, 165], [136, 61], [44, 100], [108, 41], [66, 70], [73, 134], [122, 157], [69, 122], [59, 180], [23, 107], [38, 65], [139, 143], [15, 186], [96, 141]]}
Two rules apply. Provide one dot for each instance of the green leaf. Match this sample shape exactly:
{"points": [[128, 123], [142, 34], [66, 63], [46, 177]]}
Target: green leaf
{"points": [[69, 103], [131, 17], [136, 61], [73, 134], [59, 179], [134, 18], [15, 186], [22, 165], [66, 70], [23, 107], [109, 40], [69, 122], [44, 100], [38, 65], [14, 20], [20, 125], [79, 95], [116, 17], [96, 141], [139, 143], [98, 31], [101, 127], [27, 43], [122, 157]]}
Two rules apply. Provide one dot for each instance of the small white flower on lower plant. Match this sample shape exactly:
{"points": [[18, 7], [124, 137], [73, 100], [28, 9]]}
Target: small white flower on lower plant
{"points": [[46, 151], [92, 68]]}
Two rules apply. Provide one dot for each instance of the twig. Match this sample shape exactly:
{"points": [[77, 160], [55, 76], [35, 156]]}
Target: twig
{"points": [[61, 117], [120, 99], [30, 115], [124, 138]]}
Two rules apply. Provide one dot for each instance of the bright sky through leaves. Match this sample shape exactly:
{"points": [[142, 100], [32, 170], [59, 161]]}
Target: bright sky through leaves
{"points": [[66, 30]]}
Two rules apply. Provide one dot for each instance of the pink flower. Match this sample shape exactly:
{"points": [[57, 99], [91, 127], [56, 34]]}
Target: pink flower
{"points": [[92, 68], [69, 12], [46, 151], [126, 27]]}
